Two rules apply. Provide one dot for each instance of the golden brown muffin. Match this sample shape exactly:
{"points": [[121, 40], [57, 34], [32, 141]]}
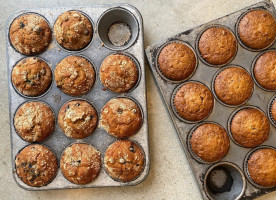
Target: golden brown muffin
{"points": [[264, 70], [32, 76], [217, 46], [210, 142], [30, 34], [75, 75], [257, 29], [77, 119], [193, 101], [34, 121], [261, 166], [121, 117], [250, 127], [177, 61], [118, 73], [273, 110], [233, 85], [124, 160], [73, 30], [80, 163], [36, 165]]}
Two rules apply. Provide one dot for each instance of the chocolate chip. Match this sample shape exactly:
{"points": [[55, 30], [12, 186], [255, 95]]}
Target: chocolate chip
{"points": [[120, 111], [22, 25], [77, 104], [67, 107], [131, 148], [79, 161], [92, 116], [30, 165], [137, 165], [59, 86]]}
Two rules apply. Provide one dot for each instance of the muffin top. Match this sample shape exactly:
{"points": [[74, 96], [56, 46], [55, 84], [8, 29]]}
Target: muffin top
{"points": [[217, 46], [250, 127], [77, 119], [262, 167], [177, 61], [124, 160], [121, 117], [36, 165], [273, 110], [34, 121], [210, 142], [32, 76], [193, 101], [80, 163], [75, 75], [264, 70], [233, 85], [257, 29], [30, 34], [73, 30]]}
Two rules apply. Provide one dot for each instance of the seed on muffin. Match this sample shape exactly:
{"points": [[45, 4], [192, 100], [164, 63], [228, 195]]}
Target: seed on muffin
{"points": [[36, 165], [34, 121]]}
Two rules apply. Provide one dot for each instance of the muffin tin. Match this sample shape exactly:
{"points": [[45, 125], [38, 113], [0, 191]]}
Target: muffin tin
{"points": [[96, 51], [242, 187]]}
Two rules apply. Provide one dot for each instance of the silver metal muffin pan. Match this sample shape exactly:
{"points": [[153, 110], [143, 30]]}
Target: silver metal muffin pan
{"points": [[221, 113], [96, 51]]}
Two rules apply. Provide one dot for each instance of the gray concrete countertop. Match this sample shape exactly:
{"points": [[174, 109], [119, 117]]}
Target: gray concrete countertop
{"points": [[170, 176]]}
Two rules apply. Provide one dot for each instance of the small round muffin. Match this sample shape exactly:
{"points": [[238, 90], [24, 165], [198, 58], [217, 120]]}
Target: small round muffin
{"points": [[80, 163], [210, 142], [217, 46], [77, 119], [273, 110], [36, 165], [250, 127], [118, 73], [257, 29], [264, 70], [193, 101], [75, 75], [177, 61], [121, 117], [73, 30], [30, 34], [32, 76], [34, 121], [233, 86], [262, 167], [124, 160]]}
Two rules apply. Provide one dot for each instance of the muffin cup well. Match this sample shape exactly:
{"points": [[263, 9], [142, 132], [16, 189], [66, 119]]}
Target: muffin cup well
{"points": [[269, 106]]}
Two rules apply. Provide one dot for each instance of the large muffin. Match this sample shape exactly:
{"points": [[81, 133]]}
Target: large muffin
{"points": [[75, 75], [217, 46], [233, 85], [257, 29], [193, 101], [34, 121], [261, 166], [73, 30], [36, 165], [210, 142], [264, 70], [32, 76], [177, 61], [250, 127]]}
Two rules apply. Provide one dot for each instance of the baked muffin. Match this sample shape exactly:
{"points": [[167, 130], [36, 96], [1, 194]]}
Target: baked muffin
{"points": [[124, 160], [264, 70], [75, 75], [193, 101], [34, 121], [36, 165], [210, 142], [80, 163], [233, 86], [73, 30], [77, 119], [273, 110], [261, 166], [177, 61], [121, 117], [32, 76], [30, 34], [250, 127], [257, 29], [217, 46], [118, 73]]}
